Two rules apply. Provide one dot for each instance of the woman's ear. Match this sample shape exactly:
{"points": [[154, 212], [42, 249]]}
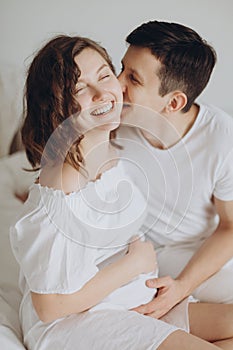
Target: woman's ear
{"points": [[177, 102]]}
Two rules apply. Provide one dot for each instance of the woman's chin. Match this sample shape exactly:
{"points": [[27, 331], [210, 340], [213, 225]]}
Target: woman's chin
{"points": [[109, 126]]}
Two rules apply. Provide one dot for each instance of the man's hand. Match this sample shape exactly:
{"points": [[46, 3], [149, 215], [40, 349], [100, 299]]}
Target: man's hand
{"points": [[170, 293]]}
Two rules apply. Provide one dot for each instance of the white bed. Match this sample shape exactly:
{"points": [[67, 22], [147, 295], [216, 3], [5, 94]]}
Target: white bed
{"points": [[12, 180]]}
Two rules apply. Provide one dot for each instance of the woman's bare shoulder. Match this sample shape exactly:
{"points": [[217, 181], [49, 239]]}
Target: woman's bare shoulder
{"points": [[64, 178]]}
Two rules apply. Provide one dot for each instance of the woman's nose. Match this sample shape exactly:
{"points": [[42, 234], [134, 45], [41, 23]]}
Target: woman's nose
{"points": [[99, 93]]}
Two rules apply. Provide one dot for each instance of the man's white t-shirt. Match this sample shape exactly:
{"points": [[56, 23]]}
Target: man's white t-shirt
{"points": [[180, 183]]}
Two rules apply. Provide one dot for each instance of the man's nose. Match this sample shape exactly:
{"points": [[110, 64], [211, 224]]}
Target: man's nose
{"points": [[122, 81]]}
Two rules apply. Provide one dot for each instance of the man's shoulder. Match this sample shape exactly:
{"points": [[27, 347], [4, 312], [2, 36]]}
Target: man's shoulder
{"points": [[218, 122], [216, 126], [217, 115]]}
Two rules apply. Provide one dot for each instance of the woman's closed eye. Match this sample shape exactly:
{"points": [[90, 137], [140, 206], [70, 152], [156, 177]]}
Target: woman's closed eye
{"points": [[105, 74], [104, 77], [80, 88]]}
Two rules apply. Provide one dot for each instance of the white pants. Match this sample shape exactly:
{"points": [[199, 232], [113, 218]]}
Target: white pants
{"points": [[217, 289]]}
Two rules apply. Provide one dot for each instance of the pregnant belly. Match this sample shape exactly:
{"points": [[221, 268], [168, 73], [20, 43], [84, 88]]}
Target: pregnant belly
{"points": [[130, 295]]}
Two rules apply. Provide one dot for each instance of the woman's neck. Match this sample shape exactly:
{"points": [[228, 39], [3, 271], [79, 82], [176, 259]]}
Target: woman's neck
{"points": [[93, 141], [98, 153]]}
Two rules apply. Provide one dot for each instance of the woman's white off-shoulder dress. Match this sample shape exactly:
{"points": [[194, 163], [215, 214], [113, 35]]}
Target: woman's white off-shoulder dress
{"points": [[61, 241]]}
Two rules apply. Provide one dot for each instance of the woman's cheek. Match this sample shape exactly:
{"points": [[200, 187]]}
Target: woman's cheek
{"points": [[84, 102]]}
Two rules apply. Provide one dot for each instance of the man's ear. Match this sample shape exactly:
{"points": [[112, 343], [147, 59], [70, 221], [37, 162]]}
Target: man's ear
{"points": [[177, 102]]}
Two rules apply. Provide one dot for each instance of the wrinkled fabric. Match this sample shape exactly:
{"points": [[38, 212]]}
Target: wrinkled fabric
{"points": [[61, 241]]}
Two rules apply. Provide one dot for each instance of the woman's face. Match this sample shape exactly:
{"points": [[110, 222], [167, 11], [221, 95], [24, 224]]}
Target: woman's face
{"points": [[98, 93]]}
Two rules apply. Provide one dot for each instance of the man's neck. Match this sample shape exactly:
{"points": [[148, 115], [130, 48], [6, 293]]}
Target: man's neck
{"points": [[174, 128]]}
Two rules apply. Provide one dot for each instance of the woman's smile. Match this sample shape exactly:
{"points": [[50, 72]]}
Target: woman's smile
{"points": [[103, 109]]}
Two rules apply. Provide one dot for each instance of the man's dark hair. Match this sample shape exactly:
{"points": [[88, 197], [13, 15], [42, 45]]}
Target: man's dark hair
{"points": [[186, 59]]}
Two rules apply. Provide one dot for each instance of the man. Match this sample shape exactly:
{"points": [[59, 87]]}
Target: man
{"points": [[181, 155]]}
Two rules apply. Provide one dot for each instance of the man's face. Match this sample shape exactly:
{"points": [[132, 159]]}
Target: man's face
{"points": [[140, 82]]}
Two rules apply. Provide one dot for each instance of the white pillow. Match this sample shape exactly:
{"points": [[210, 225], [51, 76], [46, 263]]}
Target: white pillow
{"points": [[13, 179]]}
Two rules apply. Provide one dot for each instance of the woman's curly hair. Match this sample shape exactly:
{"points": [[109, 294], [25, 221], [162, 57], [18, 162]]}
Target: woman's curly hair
{"points": [[49, 131]]}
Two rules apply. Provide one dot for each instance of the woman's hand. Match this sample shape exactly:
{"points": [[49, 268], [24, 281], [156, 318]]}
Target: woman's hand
{"points": [[142, 255]]}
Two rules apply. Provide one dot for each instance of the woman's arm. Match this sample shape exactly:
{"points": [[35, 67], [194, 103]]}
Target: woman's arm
{"points": [[139, 259]]}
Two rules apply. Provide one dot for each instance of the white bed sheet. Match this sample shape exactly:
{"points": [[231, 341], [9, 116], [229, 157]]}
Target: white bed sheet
{"points": [[12, 180]]}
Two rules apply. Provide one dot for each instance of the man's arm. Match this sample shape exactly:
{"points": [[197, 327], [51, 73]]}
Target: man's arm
{"points": [[209, 259]]}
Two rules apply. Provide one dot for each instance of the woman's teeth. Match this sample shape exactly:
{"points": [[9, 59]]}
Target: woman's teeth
{"points": [[106, 108]]}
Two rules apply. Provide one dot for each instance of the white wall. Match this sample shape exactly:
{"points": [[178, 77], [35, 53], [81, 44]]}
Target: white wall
{"points": [[26, 24]]}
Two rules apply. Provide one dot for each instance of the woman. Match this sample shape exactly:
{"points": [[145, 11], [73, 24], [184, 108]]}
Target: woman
{"points": [[81, 271]]}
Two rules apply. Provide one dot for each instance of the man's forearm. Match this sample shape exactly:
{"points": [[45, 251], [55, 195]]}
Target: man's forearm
{"points": [[209, 259]]}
